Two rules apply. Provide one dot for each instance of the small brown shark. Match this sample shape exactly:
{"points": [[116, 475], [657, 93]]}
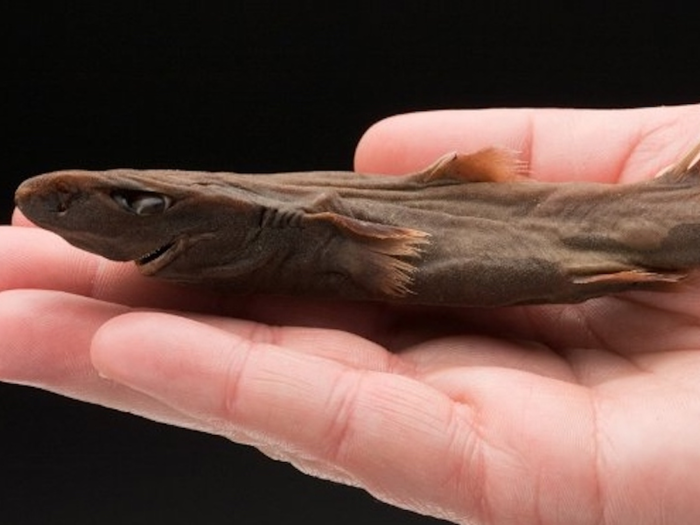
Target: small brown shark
{"points": [[468, 230]]}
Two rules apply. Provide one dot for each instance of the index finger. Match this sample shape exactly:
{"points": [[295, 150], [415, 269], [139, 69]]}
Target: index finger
{"points": [[622, 145]]}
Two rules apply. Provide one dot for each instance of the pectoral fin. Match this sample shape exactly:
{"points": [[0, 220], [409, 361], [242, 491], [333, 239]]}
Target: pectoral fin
{"points": [[486, 165], [375, 254]]}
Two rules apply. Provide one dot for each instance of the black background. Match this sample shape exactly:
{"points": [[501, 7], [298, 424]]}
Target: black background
{"points": [[265, 86]]}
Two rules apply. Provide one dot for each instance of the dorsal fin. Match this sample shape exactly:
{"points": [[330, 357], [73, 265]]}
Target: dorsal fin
{"points": [[486, 165], [687, 166]]}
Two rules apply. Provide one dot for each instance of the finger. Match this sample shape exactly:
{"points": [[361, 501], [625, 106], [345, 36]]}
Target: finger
{"points": [[38, 259], [339, 346], [46, 338], [319, 412], [18, 219], [592, 145]]}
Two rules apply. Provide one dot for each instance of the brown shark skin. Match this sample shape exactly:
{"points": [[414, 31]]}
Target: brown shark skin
{"points": [[469, 230]]}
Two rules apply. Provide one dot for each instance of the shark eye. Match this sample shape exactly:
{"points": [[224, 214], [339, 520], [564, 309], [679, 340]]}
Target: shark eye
{"points": [[142, 202]]}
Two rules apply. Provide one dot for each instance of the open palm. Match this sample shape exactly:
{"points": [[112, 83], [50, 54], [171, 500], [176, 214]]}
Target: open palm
{"points": [[583, 413]]}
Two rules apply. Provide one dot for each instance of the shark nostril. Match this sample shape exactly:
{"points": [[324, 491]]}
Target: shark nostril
{"points": [[62, 197], [60, 202], [63, 203]]}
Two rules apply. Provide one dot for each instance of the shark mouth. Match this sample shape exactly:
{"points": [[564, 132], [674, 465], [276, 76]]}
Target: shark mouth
{"points": [[155, 260]]}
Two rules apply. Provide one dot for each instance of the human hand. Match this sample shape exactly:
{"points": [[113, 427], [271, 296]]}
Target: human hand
{"points": [[551, 414]]}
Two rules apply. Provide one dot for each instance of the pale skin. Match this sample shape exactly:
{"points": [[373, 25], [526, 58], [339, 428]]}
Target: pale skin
{"points": [[573, 414]]}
